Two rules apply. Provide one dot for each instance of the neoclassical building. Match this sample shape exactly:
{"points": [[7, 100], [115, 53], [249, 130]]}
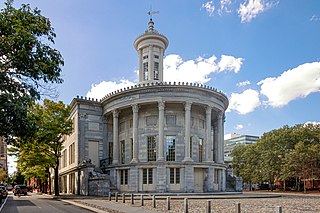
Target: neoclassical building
{"points": [[155, 136]]}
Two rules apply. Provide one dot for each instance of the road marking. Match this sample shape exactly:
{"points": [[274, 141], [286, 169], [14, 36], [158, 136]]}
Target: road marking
{"points": [[3, 203]]}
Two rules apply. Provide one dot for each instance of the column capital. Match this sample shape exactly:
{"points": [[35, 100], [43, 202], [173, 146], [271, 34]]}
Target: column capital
{"points": [[208, 109], [161, 105], [115, 113], [187, 105], [135, 108]]}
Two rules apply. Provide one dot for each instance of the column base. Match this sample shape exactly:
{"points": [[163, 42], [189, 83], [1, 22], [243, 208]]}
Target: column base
{"points": [[160, 159], [134, 160], [187, 159]]}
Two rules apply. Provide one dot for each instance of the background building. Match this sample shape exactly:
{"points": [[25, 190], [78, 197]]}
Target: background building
{"points": [[3, 160], [232, 140], [152, 137]]}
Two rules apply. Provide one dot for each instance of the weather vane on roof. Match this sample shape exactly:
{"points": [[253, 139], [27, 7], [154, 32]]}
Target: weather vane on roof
{"points": [[150, 12]]}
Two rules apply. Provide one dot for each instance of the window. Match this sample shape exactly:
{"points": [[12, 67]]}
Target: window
{"points": [[110, 152], [201, 123], [64, 158], [147, 176], [73, 124], [191, 147], [156, 70], [156, 56], [171, 120], [131, 140], [124, 177], [122, 151], [200, 148], [131, 123], [72, 153], [151, 120], [174, 175], [170, 148], [122, 126], [152, 151], [145, 56], [145, 71]]}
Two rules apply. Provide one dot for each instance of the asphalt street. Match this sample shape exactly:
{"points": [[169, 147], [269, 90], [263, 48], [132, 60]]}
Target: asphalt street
{"points": [[33, 203]]}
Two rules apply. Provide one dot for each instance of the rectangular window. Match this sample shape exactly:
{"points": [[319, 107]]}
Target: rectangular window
{"points": [[191, 148], [152, 151], [147, 176], [124, 177], [122, 126], [145, 56], [145, 71], [201, 123], [151, 120], [72, 153], [170, 148], [131, 140], [174, 175], [171, 120], [156, 56], [122, 151], [110, 153], [73, 124], [156, 70], [200, 148], [64, 158]]}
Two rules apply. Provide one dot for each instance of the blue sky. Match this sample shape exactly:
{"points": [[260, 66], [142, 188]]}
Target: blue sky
{"points": [[263, 54]]}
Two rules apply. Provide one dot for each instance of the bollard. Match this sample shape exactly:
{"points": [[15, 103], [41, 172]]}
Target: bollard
{"points": [[153, 201], [186, 210], [116, 197], [142, 201], [168, 203], [208, 206], [278, 209], [123, 197], [109, 196], [238, 208], [132, 199]]}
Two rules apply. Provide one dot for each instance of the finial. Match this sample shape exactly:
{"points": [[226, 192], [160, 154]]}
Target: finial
{"points": [[151, 23]]}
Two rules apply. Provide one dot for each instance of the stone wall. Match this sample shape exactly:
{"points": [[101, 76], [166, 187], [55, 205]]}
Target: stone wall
{"points": [[99, 186]]}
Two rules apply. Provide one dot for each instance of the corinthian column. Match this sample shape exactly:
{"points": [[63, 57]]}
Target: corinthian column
{"points": [[115, 137], [135, 110], [187, 108], [161, 105], [208, 135], [220, 138]]}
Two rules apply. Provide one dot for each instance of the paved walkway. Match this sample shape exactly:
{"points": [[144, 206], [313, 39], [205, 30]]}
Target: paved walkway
{"points": [[101, 204]]}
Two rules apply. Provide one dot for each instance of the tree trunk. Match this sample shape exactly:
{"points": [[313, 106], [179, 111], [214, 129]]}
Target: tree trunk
{"points": [[49, 175], [304, 186], [56, 179], [284, 185]]}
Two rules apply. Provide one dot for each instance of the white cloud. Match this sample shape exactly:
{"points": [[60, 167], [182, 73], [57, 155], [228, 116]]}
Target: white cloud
{"points": [[178, 70], [312, 122], [230, 63], [292, 84], [251, 8], [243, 83], [244, 102], [314, 18], [224, 6], [209, 7], [198, 70], [103, 88], [239, 126]]}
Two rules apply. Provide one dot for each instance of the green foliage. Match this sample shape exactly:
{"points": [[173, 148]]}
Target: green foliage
{"points": [[27, 65], [288, 152], [43, 150]]}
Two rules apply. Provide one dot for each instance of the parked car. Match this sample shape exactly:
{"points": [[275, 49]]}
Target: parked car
{"points": [[20, 189], [4, 191], [9, 187]]}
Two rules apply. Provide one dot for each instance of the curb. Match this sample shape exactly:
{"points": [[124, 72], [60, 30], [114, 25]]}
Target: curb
{"points": [[84, 206]]}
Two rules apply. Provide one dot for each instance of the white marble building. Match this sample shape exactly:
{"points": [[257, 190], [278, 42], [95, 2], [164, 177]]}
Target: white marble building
{"points": [[155, 136]]}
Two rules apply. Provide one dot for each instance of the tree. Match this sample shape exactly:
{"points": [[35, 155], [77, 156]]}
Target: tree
{"points": [[43, 150], [27, 65]]}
